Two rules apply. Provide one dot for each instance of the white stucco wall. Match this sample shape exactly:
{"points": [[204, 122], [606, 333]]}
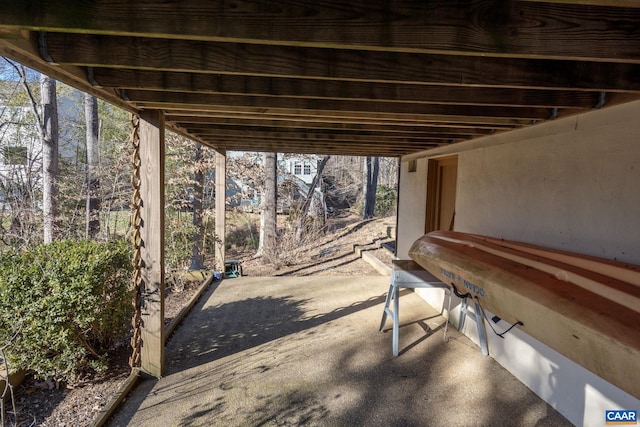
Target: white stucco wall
{"points": [[576, 190], [412, 202], [571, 184]]}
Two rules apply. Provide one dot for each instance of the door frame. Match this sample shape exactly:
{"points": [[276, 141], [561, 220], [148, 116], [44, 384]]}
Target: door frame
{"points": [[435, 192]]}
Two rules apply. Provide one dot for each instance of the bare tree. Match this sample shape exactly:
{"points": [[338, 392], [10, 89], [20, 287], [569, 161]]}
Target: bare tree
{"points": [[304, 210], [344, 178], [268, 217], [93, 161], [22, 132], [372, 168], [49, 155], [388, 176]]}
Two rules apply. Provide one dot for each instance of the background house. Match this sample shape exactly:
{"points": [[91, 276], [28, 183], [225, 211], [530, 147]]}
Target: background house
{"points": [[295, 174], [302, 167]]}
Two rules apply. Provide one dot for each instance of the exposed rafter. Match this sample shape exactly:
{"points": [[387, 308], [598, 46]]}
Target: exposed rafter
{"points": [[361, 77], [338, 64], [477, 27], [184, 100], [341, 89]]}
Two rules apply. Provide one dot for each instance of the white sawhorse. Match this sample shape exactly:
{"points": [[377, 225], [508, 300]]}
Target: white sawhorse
{"points": [[409, 274]]}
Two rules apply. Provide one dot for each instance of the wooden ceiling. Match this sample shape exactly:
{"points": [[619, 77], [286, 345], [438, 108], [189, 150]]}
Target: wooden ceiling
{"points": [[357, 77]]}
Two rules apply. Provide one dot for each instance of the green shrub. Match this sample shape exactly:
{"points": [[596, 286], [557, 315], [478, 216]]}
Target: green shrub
{"points": [[65, 303], [385, 201]]}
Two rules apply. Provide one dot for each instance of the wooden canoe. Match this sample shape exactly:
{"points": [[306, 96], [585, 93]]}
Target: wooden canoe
{"points": [[586, 308]]}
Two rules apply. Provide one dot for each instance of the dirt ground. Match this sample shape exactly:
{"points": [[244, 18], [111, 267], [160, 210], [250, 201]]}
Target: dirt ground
{"points": [[328, 253]]}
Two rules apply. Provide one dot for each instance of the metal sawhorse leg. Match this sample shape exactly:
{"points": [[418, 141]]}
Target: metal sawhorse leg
{"points": [[405, 274], [409, 274], [477, 317]]}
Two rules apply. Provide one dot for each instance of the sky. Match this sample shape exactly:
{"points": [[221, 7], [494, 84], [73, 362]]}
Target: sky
{"points": [[9, 73]]}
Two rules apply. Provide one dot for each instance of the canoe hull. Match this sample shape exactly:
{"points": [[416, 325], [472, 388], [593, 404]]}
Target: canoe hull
{"points": [[589, 328]]}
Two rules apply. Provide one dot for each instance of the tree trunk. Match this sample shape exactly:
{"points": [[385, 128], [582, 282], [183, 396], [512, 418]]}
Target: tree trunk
{"points": [[49, 156], [93, 161], [197, 260], [372, 168], [268, 217], [304, 210]]}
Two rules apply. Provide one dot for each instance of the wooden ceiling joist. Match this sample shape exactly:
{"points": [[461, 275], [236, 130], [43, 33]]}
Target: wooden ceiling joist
{"points": [[437, 133], [318, 136], [354, 118], [328, 148], [607, 3], [338, 115], [358, 77], [178, 99], [340, 89], [479, 27], [336, 64], [357, 128]]}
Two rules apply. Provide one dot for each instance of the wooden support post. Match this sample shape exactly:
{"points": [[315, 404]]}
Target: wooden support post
{"points": [[221, 180], [152, 233]]}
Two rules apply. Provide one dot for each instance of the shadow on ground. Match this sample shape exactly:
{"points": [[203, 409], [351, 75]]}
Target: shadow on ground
{"points": [[298, 351], [249, 323]]}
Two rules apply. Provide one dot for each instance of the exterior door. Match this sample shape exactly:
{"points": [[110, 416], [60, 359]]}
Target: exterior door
{"points": [[441, 193]]}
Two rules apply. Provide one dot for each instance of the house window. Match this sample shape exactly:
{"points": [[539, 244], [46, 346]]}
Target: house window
{"points": [[15, 155], [307, 169], [297, 168]]}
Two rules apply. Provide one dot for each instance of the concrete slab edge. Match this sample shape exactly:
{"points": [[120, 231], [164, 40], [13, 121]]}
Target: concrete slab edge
{"points": [[129, 384], [113, 405], [378, 265], [171, 327]]}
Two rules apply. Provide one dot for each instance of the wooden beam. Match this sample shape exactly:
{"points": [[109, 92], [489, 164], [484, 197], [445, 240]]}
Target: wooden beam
{"points": [[338, 64], [221, 209], [311, 133], [474, 27], [325, 140], [169, 100], [340, 89], [335, 149], [346, 116], [249, 124], [310, 136], [353, 118], [606, 3], [152, 233], [320, 147], [325, 149], [242, 123], [353, 150]]}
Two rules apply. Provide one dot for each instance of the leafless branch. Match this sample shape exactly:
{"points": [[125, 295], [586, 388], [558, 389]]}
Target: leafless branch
{"points": [[23, 81]]}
